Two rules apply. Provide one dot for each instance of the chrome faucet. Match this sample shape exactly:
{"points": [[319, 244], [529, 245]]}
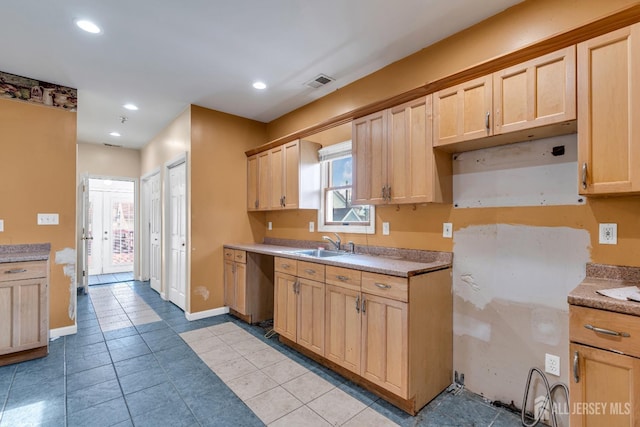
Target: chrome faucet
{"points": [[335, 243]]}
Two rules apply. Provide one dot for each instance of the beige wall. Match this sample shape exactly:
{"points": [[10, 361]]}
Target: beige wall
{"points": [[101, 160], [38, 175], [218, 198], [497, 338]]}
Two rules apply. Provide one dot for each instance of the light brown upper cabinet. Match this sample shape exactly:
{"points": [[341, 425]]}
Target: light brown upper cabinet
{"points": [[285, 177], [536, 93], [393, 157], [508, 105], [463, 112], [609, 113]]}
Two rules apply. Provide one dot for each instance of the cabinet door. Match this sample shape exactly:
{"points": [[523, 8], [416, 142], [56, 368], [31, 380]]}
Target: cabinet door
{"points": [[410, 153], [609, 113], [285, 306], [342, 327], [385, 343], [24, 315], [311, 315], [241, 287], [252, 183], [606, 389], [276, 167], [291, 174], [463, 112], [264, 180], [536, 93], [229, 284], [369, 152]]}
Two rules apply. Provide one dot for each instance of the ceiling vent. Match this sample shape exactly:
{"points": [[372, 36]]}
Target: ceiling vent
{"points": [[319, 81], [111, 145]]}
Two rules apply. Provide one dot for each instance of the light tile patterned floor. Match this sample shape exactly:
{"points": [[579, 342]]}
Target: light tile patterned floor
{"points": [[118, 306], [280, 391]]}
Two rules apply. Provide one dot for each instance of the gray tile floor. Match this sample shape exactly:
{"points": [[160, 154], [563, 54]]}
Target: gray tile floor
{"points": [[162, 374], [105, 279]]}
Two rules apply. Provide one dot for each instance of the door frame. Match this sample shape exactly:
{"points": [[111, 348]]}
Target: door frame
{"points": [[166, 238], [136, 231]]}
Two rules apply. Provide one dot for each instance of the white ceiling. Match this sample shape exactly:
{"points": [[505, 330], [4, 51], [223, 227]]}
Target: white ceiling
{"points": [[166, 54]]}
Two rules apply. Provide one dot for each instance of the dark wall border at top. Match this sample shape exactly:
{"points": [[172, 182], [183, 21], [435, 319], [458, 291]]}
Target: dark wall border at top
{"points": [[34, 91], [588, 31]]}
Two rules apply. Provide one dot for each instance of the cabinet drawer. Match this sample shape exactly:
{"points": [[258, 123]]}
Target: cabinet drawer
{"points": [[228, 254], [311, 270], [609, 324], [386, 286], [344, 277], [22, 270], [285, 265], [240, 256]]}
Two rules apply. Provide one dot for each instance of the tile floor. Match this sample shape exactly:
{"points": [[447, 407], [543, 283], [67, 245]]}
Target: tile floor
{"points": [[210, 372], [104, 279]]}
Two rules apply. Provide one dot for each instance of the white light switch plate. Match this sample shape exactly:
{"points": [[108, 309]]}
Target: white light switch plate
{"points": [[447, 230], [312, 226], [48, 219], [1, 225], [385, 228], [608, 234], [269, 225]]}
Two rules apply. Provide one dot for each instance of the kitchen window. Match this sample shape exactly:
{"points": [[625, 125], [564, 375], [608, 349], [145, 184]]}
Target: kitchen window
{"points": [[336, 212]]}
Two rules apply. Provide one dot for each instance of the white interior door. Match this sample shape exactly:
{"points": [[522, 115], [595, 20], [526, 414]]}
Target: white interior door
{"points": [[177, 235], [155, 233], [83, 233]]}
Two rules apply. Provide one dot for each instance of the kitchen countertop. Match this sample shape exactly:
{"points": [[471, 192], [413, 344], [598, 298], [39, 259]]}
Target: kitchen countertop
{"points": [[21, 253], [601, 276], [357, 261]]}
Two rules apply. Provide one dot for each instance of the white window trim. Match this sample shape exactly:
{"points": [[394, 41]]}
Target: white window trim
{"points": [[333, 152]]}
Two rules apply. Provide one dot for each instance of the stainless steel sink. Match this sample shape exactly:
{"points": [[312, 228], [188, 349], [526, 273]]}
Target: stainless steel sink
{"points": [[319, 253]]}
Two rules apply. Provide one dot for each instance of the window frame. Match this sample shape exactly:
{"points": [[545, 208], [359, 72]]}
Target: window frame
{"points": [[339, 151]]}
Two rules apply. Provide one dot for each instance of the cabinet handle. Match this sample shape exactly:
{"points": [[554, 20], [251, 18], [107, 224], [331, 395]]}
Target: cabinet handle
{"points": [[383, 285], [584, 176], [284, 201], [384, 193], [487, 121], [233, 268], [310, 271], [358, 304], [342, 278], [607, 331], [576, 367], [388, 193], [285, 266], [16, 271], [257, 203]]}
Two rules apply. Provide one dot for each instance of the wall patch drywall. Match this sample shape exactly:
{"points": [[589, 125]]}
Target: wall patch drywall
{"points": [[201, 291], [67, 258]]}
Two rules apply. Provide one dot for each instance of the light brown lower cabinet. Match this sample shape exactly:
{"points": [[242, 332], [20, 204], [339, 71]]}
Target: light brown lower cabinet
{"points": [[248, 285], [24, 311], [604, 385], [392, 335]]}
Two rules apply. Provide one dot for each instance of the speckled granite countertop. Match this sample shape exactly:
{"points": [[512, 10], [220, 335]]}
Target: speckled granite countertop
{"points": [[601, 276], [386, 263], [20, 253]]}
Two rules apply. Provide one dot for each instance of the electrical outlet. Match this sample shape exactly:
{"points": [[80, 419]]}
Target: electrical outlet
{"points": [[269, 225], [48, 219], [608, 234], [552, 364], [447, 230], [312, 226], [385, 228], [1, 225]]}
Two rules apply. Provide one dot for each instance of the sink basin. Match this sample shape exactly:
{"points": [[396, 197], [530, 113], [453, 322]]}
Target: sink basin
{"points": [[319, 253]]}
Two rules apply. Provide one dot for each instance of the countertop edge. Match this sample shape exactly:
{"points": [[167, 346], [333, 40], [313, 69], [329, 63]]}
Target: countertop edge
{"points": [[343, 261], [585, 295]]}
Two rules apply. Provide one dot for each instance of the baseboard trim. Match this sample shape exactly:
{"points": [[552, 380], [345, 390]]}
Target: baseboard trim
{"points": [[207, 313], [60, 332], [163, 296]]}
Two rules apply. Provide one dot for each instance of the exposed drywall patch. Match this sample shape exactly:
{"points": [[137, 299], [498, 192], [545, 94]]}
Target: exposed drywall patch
{"points": [[67, 258], [467, 325], [546, 326], [535, 265], [201, 291]]}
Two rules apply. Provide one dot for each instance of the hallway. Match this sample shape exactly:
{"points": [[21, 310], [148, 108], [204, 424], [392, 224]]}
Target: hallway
{"points": [[212, 372]]}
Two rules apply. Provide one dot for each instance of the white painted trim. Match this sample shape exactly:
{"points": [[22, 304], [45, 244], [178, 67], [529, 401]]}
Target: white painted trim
{"points": [[61, 332], [207, 313], [163, 296]]}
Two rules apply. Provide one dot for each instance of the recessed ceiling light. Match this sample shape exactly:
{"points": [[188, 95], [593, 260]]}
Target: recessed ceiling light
{"points": [[88, 26], [131, 107], [259, 85], [114, 134]]}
